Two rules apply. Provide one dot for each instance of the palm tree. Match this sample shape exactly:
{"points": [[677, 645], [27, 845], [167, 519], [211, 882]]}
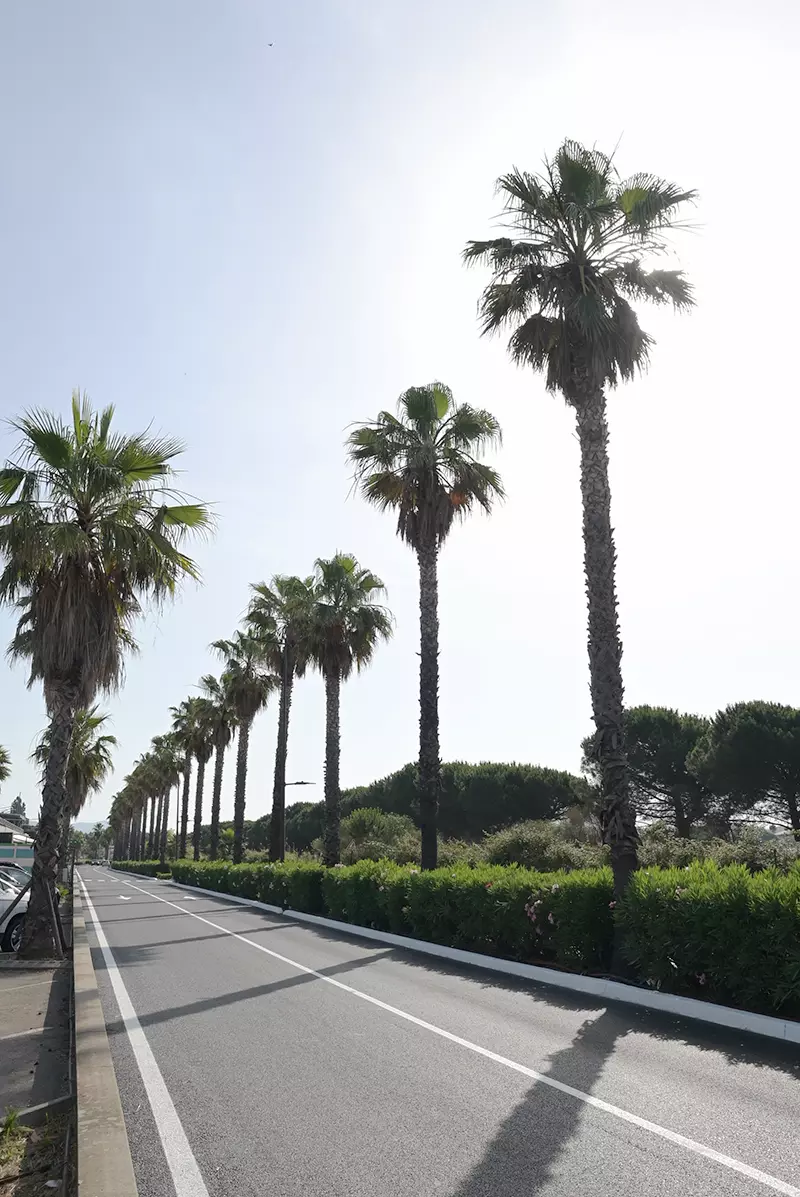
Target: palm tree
{"points": [[184, 728], [577, 254], [168, 759], [5, 764], [203, 747], [424, 463], [345, 627], [223, 723], [90, 529], [249, 686], [279, 615], [88, 765]]}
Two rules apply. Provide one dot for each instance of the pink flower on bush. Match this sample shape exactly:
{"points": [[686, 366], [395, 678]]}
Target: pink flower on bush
{"points": [[489, 884]]}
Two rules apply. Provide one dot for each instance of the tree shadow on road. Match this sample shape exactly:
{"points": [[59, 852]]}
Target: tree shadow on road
{"points": [[240, 995], [525, 1153]]}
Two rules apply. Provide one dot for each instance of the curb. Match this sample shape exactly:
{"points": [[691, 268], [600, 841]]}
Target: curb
{"points": [[785, 1030], [104, 1159]]}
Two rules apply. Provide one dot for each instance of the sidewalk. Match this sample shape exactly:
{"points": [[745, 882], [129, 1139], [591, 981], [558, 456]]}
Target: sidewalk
{"points": [[34, 1035]]}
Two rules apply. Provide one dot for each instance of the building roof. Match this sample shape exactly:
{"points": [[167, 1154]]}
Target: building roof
{"points": [[19, 836]]}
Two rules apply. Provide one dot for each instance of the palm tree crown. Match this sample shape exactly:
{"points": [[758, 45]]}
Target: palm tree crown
{"points": [[5, 764], [347, 621], [248, 683], [90, 757], [89, 527], [564, 281], [424, 462]]}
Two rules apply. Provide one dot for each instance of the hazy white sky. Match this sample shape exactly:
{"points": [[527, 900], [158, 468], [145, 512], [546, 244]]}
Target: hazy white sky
{"points": [[252, 246]]}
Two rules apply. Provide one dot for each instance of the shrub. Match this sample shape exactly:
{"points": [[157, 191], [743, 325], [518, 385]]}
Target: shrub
{"points": [[148, 868], [304, 886], [539, 845], [720, 933], [371, 893]]}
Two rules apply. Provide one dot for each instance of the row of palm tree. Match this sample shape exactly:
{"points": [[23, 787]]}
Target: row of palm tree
{"points": [[91, 529], [331, 621]]}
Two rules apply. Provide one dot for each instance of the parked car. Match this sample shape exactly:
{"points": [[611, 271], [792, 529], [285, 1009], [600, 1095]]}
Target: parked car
{"points": [[11, 928]]}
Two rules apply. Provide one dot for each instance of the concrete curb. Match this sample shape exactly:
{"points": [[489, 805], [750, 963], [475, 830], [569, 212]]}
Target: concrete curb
{"points": [[104, 1159], [785, 1030]]}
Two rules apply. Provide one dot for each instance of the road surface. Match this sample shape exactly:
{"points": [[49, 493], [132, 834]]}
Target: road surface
{"points": [[256, 1056]]}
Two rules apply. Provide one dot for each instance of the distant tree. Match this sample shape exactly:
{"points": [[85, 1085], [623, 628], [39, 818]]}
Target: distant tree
{"points": [[658, 740], [751, 756], [250, 685], [424, 464], [346, 625], [305, 822], [563, 284]]}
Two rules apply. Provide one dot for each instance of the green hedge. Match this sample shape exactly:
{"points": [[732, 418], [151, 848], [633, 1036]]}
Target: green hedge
{"points": [[148, 868], [705, 931]]}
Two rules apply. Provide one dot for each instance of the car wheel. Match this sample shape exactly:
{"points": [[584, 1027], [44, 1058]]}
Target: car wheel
{"points": [[12, 936]]}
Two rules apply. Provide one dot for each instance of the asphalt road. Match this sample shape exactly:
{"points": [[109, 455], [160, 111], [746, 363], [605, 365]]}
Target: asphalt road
{"points": [[406, 1078]]}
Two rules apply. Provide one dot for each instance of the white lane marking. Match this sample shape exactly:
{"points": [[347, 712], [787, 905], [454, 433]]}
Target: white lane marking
{"points": [[124, 897], [180, 1159], [771, 1182]]}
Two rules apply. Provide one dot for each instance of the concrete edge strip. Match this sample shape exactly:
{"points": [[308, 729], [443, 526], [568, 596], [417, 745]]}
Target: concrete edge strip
{"points": [[104, 1158], [728, 1017], [37, 1115]]}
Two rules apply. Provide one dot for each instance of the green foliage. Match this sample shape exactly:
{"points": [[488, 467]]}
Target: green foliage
{"points": [[542, 846], [718, 933], [751, 756], [709, 931], [304, 823], [478, 798], [370, 834], [147, 868]]}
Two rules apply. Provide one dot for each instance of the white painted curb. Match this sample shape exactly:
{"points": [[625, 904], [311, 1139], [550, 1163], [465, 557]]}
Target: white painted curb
{"points": [[787, 1030]]}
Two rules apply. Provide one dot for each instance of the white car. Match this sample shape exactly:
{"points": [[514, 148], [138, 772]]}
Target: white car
{"points": [[11, 928]]}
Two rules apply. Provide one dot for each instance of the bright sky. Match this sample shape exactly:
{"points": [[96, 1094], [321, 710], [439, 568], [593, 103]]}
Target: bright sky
{"points": [[253, 245]]}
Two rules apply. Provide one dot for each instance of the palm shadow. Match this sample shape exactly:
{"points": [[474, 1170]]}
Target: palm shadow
{"points": [[525, 1153]]}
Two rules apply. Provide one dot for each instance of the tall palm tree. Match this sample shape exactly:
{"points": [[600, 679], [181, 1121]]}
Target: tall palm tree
{"points": [[89, 763], [203, 747], [223, 723], [424, 464], [346, 625], [169, 765], [184, 728], [249, 685], [279, 616], [90, 528], [578, 252]]}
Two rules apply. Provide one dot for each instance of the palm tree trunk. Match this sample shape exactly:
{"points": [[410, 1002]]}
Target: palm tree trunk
{"points": [[331, 849], [198, 807], [38, 935], [429, 766], [162, 847], [241, 787], [151, 839], [63, 842], [143, 833], [617, 816], [159, 817], [219, 764], [277, 826], [187, 777]]}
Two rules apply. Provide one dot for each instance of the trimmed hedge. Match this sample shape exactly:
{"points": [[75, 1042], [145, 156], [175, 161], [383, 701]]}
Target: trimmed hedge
{"points": [[147, 868], [719, 933]]}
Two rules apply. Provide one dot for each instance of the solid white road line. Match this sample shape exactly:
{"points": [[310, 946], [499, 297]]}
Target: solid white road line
{"points": [[771, 1182], [180, 1157]]}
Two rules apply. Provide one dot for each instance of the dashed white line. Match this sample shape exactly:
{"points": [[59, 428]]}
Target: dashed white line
{"points": [[709, 1153], [180, 1158]]}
